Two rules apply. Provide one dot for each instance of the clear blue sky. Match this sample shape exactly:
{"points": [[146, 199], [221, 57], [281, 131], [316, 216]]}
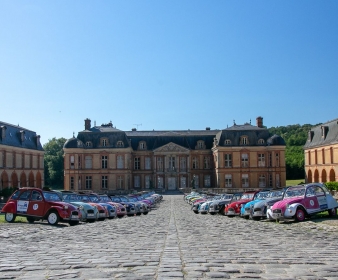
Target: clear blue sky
{"points": [[168, 65]]}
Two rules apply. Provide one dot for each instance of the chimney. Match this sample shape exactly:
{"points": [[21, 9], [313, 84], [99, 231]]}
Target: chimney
{"points": [[133, 129], [87, 124], [259, 122], [207, 128]]}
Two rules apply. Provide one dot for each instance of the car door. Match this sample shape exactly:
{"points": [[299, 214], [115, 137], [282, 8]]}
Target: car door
{"points": [[23, 202], [311, 200], [36, 204], [321, 197]]}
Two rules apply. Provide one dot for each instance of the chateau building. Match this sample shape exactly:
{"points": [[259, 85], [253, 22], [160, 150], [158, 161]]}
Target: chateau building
{"points": [[321, 153], [106, 159], [21, 157]]}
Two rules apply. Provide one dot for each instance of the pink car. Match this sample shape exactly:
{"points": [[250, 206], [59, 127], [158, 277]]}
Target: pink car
{"points": [[303, 201]]}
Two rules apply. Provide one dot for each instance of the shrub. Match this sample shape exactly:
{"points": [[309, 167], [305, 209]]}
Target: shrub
{"points": [[332, 186]]}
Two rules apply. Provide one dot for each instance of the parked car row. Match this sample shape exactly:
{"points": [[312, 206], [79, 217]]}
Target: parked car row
{"points": [[71, 207], [288, 203]]}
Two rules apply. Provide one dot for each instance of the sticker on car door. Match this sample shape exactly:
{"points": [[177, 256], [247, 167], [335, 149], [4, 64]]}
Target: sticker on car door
{"points": [[22, 206]]}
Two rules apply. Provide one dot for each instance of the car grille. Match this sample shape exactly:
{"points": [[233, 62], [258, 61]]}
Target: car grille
{"points": [[247, 208], [231, 209], [123, 209], [101, 211], [90, 211], [75, 213], [277, 211], [257, 209]]}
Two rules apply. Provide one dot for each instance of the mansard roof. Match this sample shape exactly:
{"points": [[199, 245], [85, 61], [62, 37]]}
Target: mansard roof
{"points": [[323, 135], [17, 136]]}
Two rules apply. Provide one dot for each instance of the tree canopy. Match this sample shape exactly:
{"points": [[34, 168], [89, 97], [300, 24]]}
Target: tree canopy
{"points": [[54, 162]]}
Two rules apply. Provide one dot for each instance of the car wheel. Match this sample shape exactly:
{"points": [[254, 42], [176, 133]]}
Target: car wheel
{"points": [[30, 220], [195, 211], [73, 223], [121, 216], [91, 220], [300, 215], [256, 218], [53, 218], [145, 213], [212, 213], [332, 212], [10, 217], [101, 219]]}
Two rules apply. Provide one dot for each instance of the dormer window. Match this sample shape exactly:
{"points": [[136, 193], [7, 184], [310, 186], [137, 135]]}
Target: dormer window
{"points": [[88, 144], [244, 140], [104, 142], [3, 131], [227, 142], [200, 145], [324, 131], [261, 141], [119, 144], [310, 135], [22, 134], [142, 145]]}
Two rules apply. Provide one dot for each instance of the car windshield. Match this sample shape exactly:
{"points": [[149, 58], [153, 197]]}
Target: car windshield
{"points": [[124, 199], [51, 196], [247, 196], [275, 194], [116, 199], [261, 195], [70, 197], [104, 198], [84, 198], [294, 192], [94, 198]]}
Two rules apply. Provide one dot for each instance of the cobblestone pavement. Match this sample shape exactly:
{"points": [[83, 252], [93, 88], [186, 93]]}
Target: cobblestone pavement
{"points": [[170, 242]]}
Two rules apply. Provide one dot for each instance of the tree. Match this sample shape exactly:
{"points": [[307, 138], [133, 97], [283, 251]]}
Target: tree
{"points": [[54, 162]]}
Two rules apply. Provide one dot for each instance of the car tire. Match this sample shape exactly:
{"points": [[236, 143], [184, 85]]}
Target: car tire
{"points": [[212, 213], [53, 218], [73, 223], [300, 214], [195, 211], [332, 212], [10, 217], [30, 220], [90, 220], [145, 213], [101, 219]]}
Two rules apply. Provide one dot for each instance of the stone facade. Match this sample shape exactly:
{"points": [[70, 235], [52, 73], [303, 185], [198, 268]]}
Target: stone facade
{"points": [[105, 159], [21, 157], [321, 153]]}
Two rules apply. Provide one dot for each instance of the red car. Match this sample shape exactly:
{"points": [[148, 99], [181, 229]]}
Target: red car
{"points": [[234, 208], [36, 204]]}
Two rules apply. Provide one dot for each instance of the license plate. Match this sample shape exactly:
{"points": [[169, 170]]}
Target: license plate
{"points": [[102, 214], [230, 212], [75, 216], [258, 213], [90, 215], [276, 215]]}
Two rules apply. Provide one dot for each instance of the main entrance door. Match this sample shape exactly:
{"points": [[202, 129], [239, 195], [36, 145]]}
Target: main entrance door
{"points": [[171, 183]]}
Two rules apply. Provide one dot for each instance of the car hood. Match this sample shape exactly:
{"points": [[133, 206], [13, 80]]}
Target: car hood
{"points": [[282, 204], [252, 202], [62, 204], [269, 201], [239, 202], [83, 204]]}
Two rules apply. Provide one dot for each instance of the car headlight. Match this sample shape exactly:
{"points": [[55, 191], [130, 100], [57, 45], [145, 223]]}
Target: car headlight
{"points": [[287, 205], [65, 207], [81, 207]]}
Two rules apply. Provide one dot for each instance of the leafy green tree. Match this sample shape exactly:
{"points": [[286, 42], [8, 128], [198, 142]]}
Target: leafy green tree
{"points": [[54, 162]]}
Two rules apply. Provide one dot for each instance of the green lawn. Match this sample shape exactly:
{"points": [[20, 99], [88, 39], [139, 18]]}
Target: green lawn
{"points": [[17, 220], [294, 182]]}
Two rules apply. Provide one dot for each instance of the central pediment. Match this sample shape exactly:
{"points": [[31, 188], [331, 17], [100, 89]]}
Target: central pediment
{"points": [[172, 147]]}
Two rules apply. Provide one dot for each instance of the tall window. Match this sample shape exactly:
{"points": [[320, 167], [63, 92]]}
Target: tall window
{"points": [[245, 160], [79, 161], [227, 160], [277, 181], [183, 164], [72, 160], [200, 144], [171, 163], [316, 160], [88, 182], [206, 162], [270, 180], [228, 180], [261, 160], [244, 140], [261, 181], [104, 142], [120, 162], [88, 162], [183, 182], [159, 164], [245, 180], [104, 182], [137, 161], [142, 146], [270, 159], [72, 183], [207, 181], [137, 182], [160, 182], [147, 162], [323, 155], [277, 159], [196, 181], [194, 163], [120, 182], [147, 181], [104, 162], [331, 155]]}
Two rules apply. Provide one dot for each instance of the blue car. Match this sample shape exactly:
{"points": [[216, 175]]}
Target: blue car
{"points": [[247, 208]]}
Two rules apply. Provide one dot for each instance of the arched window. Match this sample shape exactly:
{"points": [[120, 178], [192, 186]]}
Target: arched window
{"points": [[200, 145], [88, 144], [119, 144], [142, 145], [227, 142], [244, 140], [261, 141]]}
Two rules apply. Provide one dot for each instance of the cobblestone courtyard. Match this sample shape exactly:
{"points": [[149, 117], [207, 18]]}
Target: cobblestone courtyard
{"points": [[170, 242]]}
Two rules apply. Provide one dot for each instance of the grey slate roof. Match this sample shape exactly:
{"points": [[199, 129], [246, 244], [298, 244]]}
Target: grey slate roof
{"points": [[331, 135], [13, 137], [185, 138]]}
